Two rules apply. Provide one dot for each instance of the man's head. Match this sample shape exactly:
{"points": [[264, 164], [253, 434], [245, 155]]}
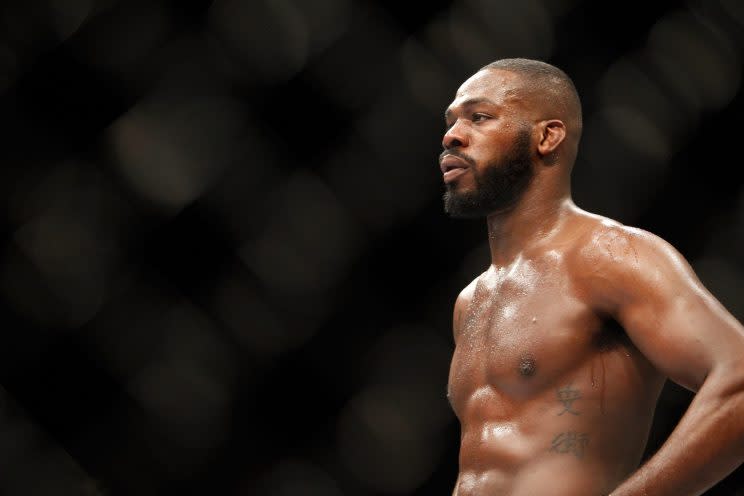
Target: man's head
{"points": [[511, 121]]}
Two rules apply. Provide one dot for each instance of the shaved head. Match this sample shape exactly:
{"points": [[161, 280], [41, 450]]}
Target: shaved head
{"points": [[552, 91]]}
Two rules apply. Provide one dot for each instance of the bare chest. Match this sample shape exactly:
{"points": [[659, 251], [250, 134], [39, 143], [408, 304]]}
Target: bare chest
{"points": [[519, 335]]}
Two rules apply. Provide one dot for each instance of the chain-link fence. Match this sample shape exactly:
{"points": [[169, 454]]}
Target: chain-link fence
{"points": [[225, 267]]}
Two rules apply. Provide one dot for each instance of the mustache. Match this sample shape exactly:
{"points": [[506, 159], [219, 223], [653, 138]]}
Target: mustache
{"points": [[457, 154]]}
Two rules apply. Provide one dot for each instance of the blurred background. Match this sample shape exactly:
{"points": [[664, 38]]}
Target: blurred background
{"points": [[224, 266]]}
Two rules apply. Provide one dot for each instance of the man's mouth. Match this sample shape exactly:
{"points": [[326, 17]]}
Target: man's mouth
{"points": [[453, 174], [452, 167]]}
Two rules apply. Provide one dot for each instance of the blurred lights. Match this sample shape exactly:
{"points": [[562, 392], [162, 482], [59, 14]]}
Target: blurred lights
{"points": [[127, 38], [310, 241], [292, 477], [298, 234], [187, 388], [263, 41], [251, 320], [638, 131], [606, 170], [469, 38], [69, 223], [651, 103], [386, 172], [734, 8], [8, 66], [170, 150], [484, 31], [187, 405], [372, 40], [523, 29], [389, 433], [327, 20], [629, 85], [67, 253], [429, 82], [33, 464], [68, 15], [383, 446], [412, 363], [696, 59]]}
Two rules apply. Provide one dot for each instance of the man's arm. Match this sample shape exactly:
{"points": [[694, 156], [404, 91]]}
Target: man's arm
{"points": [[684, 331]]}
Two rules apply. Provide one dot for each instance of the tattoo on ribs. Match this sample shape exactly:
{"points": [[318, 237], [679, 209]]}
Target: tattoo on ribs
{"points": [[570, 442], [567, 395]]}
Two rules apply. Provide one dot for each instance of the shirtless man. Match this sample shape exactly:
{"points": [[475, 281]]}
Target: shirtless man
{"points": [[563, 344]]}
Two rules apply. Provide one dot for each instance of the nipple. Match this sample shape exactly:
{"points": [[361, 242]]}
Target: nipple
{"points": [[527, 366]]}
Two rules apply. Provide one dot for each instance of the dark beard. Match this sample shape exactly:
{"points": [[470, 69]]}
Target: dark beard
{"points": [[498, 187]]}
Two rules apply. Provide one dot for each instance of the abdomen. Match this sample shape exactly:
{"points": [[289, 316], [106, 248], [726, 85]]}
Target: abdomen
{"points": [[580, 432]]}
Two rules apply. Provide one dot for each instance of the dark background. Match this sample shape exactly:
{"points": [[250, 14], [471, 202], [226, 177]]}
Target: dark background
{"points": [[225, 267]]}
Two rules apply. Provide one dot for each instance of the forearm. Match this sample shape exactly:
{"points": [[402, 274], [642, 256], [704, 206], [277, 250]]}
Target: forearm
{"points": [[706, 445]]}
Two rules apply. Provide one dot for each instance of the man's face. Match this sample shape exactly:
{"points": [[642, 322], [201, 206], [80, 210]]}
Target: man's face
{"points": [[497, 185], [487, 158]]}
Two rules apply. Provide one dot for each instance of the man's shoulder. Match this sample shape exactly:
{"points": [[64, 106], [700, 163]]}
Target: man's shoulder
{"points": [[466, 294], [599, 241], [609, 257]]}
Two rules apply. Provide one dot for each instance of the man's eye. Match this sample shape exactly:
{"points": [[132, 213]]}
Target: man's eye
{"points": [[479, 117]]}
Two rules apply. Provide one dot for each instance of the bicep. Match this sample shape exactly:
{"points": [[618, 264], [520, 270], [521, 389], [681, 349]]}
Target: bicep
{"points": [[681, 328], [684, 331]]}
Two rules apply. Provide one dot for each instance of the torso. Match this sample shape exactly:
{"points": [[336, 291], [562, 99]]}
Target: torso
{"points": [[552, 397]]}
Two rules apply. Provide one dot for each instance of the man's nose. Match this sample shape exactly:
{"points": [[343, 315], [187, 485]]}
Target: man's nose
{"points": [[456, 136]]}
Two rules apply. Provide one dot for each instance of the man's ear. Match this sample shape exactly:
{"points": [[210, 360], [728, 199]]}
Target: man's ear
{"points": [[552, 134]]}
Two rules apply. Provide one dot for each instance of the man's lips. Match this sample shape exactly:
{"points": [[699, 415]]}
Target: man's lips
{"points": [[450, 162], [452, 167], [453, 174]]}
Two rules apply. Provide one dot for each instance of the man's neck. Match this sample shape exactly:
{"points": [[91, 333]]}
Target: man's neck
{"points": [[531, 220]]}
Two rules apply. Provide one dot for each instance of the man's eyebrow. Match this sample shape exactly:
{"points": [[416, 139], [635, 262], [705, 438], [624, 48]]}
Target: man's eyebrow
{"points": [[469, 103]]}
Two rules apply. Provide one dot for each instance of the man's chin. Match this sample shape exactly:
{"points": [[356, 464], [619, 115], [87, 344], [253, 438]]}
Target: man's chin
{"points": [[459, 206]]}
